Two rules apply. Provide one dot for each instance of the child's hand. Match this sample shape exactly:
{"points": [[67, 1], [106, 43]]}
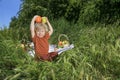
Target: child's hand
{"points": [[34, 17], [47, 20]]}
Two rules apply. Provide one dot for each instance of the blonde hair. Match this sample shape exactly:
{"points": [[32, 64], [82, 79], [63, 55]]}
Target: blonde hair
{"points": [[41, 25]]}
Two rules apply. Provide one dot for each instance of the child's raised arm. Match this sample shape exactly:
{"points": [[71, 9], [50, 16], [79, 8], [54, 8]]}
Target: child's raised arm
{"points": [[50, 27], [32, 26]]}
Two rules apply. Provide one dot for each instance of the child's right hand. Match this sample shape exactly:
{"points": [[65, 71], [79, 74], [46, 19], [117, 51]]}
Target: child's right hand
{"points": [[35, 17]]}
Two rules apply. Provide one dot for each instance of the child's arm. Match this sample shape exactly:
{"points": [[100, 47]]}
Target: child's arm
{"points": [[50, 27], [32, 26]]}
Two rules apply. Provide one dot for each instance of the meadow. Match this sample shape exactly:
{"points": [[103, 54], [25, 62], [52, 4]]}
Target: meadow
{"points": [[96, 55]]}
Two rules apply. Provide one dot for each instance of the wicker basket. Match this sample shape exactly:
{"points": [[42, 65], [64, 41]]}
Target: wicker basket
{"points": [[63, 41]]}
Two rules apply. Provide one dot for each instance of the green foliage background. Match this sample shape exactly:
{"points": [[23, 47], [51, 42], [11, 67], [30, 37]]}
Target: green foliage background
{"points": [[77, 11], [92, 26]]}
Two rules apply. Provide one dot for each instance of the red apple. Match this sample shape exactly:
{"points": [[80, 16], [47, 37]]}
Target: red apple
{"points": [[60, 43]]}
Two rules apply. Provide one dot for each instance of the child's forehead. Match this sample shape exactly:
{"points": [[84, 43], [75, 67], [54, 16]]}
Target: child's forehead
{"points": [[40, 29]]}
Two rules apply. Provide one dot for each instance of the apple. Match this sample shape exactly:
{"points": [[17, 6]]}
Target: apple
{"points": [[66, 43], [44, 20], [38, 19], [22, 46], [60, 43]]}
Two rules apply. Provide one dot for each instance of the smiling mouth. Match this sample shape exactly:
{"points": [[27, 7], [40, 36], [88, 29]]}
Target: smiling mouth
{"points": [[40, 35]]}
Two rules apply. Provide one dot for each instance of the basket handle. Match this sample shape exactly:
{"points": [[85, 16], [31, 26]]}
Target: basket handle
{"points": [[64, 36]]}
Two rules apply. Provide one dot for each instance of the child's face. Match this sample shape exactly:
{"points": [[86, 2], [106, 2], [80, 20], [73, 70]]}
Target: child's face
{"points": [[40, 32]]}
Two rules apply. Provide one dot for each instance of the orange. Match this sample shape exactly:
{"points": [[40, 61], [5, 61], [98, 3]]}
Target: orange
{"points": [[38, 19]]}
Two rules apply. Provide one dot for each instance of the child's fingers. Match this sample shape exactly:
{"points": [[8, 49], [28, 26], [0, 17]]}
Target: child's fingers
{"points": [[35, 16], [47, 19]]}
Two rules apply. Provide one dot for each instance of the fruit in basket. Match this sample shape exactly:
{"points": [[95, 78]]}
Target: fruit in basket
{"points": [[38, 19], [44, 19], [60, 43], [65, 43]]}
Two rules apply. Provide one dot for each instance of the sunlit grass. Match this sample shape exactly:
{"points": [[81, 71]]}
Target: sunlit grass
{"points": [[95, 56]]}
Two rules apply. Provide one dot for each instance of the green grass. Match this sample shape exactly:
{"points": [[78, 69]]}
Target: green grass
{"points": [[96, 55]]}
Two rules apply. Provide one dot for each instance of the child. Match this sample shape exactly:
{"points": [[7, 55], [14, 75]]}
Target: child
{"points": [[40, 35]]}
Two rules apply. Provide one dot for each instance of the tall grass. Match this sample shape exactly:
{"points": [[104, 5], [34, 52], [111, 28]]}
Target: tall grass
{"points": [[95, 56]]}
